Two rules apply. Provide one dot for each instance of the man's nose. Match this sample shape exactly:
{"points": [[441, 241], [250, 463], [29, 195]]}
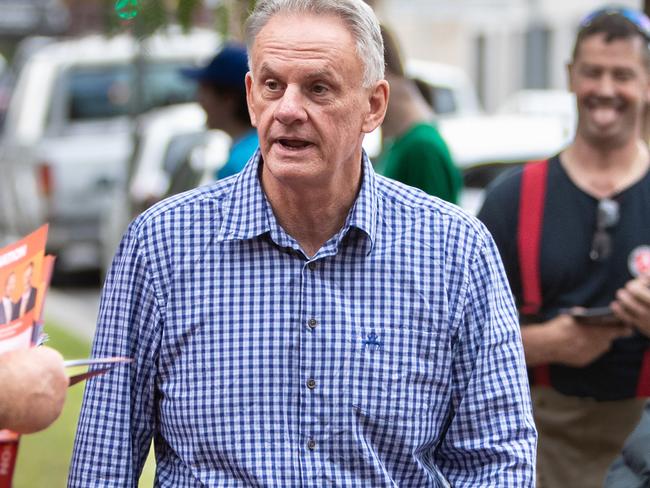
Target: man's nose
{"points": [[606, 86], [291, 107]]}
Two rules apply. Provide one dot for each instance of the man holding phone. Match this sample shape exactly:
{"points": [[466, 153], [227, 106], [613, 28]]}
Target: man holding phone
{"points": [[587, 325]]}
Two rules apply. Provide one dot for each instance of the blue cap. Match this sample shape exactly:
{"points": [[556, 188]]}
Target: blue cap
{"points": [[227, 68]]}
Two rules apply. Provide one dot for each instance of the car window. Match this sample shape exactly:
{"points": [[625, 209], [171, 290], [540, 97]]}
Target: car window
{"points": [[443, 100], [101, 92], [179, 149]]}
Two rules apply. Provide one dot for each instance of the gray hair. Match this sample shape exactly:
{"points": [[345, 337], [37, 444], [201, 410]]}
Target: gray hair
{"points": [[356, 14]]}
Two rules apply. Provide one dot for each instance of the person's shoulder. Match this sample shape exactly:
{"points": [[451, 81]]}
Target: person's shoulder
{"points": [[507, 182], [423, 133], [204, 202], [501, 199], [408, 203]]}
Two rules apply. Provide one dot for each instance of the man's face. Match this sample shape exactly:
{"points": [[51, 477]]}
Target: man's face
{"points": [[213, 105], [27, 277], [10, 287], [306, 98], [611, 84]]}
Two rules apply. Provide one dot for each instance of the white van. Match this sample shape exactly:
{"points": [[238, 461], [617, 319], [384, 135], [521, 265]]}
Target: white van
{"points": [[68, 132]]}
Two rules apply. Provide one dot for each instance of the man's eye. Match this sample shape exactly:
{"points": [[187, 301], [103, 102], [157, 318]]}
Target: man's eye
{"points": [[271, 85], [623, 75], [591, 72], [319, 89]]}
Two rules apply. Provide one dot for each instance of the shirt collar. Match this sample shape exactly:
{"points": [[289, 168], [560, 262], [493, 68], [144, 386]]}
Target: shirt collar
{"points": [[246, 212], [245, 209], [363, 215]]}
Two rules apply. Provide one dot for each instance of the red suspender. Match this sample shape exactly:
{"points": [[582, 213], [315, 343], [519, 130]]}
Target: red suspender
{"points": [[529, 233], [643, 387], [529, 237]]}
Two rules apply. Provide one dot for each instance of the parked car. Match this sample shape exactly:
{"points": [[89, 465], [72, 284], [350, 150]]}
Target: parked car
{"points": [[176, 153], [484, 145], [28, 17], [447, 88], [69, 131], [24, 49], [543, 103]]}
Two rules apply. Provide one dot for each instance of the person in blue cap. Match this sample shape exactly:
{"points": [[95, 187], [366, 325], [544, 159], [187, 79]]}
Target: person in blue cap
{"points": [[222, 95]]}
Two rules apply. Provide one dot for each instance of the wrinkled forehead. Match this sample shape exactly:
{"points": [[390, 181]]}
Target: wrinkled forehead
{"points": [[305, 35]]}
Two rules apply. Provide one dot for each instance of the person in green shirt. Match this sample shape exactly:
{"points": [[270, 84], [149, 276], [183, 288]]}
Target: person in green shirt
{"points": [[413, 152]]}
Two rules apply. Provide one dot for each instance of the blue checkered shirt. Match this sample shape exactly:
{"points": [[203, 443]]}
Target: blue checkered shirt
{"points": [[390, 358]]}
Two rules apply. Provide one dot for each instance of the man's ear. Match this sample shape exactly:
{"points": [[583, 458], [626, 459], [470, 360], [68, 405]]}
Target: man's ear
{"points": [[249, 99], [377, 103], [570, 68]]}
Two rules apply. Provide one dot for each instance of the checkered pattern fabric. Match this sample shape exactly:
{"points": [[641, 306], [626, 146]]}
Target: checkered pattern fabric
{"points": [[390, 358]]}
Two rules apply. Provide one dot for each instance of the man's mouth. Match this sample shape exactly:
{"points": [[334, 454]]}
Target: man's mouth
{"points": [[604, 111], [293, 143], [594, 103]]}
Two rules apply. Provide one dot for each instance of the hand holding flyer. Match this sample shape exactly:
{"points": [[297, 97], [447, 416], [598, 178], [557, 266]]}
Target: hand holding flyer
{"points": [[25, 273], [36, 381], [106, 365]]}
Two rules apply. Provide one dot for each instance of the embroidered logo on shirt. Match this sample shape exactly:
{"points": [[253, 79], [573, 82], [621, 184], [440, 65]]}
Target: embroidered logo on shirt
{"points": [[372, 342]]}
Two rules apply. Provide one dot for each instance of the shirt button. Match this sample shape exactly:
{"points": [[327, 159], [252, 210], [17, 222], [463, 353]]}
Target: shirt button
{"points": [[312, 266], [311, 444], [311, 383], [312, 323]]}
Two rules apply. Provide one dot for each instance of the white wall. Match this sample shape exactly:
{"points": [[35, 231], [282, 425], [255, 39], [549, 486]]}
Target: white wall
{"points": [[446, 31]]}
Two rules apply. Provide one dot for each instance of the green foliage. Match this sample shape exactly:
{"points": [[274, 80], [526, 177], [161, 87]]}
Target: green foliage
{"points": [[222, 18], [185, 12], [152, 15], [143, 17]]}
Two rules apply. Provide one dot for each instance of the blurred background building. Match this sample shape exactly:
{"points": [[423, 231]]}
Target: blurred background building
{"points": [[85, 83], [504, 45]]}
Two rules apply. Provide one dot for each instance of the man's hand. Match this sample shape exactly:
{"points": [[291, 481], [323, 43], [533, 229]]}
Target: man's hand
{"points": [[33, 386], [632, 304], [565, 341]]}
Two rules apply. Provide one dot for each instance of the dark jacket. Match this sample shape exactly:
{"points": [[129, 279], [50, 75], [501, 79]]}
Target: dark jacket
{"points": [[632, 468]]}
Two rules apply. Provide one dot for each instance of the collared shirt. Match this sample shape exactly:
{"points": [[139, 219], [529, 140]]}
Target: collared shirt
{"points": [[392, 357], [8, 308]]}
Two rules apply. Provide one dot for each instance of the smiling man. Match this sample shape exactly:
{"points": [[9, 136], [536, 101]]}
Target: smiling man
{"points": [[574, 233], [307, 322]]}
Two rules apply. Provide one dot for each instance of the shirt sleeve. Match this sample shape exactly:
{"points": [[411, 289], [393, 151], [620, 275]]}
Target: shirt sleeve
{"points": [[117, 416], [491, 437]]}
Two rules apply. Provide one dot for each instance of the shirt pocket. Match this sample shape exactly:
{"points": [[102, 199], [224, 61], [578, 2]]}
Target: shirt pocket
{"points": [[395, 374]]}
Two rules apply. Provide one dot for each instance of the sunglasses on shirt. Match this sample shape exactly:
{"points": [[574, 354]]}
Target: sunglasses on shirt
{"points": [[607, 216], [637, 18]]}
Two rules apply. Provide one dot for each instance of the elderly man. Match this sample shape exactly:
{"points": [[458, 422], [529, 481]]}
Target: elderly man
{"points": [[309, 323]]}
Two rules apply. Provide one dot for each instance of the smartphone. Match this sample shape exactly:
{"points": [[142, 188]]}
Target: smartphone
{"points": [[594, 315]]}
